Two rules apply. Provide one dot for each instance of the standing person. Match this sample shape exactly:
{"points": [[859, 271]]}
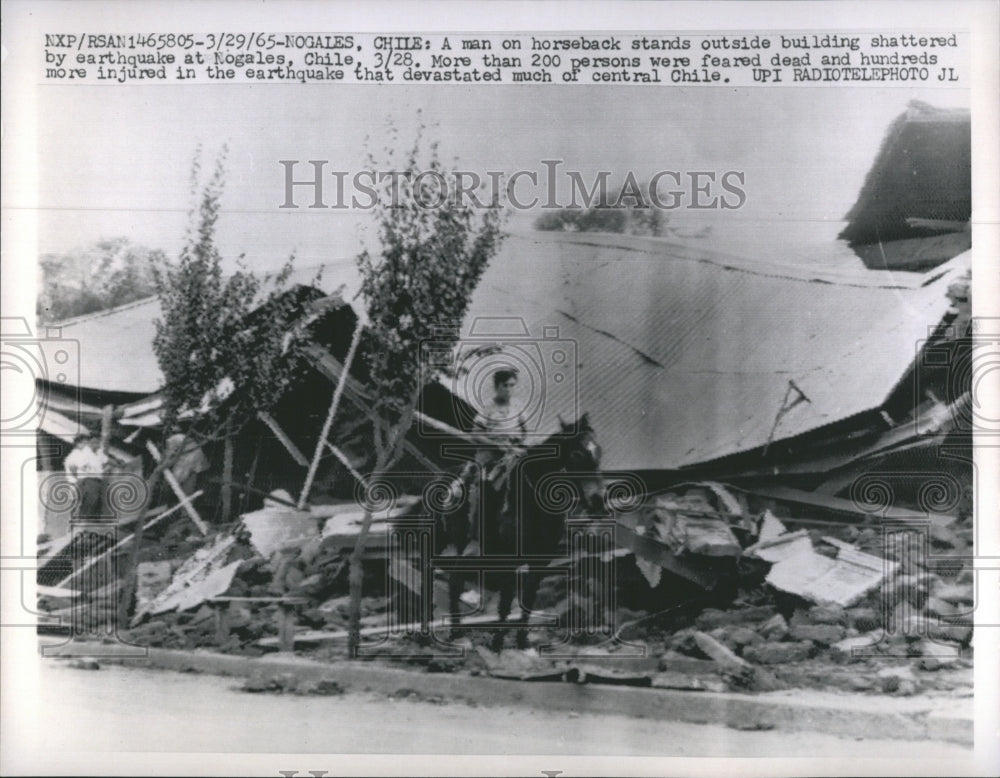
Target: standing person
{"points": [[499, 422], [86, 466]]}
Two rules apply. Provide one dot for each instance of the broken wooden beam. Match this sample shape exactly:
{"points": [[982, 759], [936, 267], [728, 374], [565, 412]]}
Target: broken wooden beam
{"points": [[847, 508], [282, 436], [354, 391], [127, 539], [338, 392], [347, 464], [171, 479]]}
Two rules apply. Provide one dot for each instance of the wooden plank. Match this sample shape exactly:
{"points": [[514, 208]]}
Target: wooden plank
{"points": [[127, 539], [286, 441], [848, 507], [176, 487], [347, 463], [355, 392], [489, 619], [162, 512], [338, 392]]}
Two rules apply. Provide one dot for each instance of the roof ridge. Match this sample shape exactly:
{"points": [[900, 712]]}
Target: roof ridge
{"points": [[718, 259], [105, 312], [265, 274]]}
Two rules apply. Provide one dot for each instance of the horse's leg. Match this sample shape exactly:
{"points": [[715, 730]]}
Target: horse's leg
{"points": [[503, 608], [455, 581], [529, 591]]}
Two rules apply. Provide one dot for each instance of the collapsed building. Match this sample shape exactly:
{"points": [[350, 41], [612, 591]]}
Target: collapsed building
{"points": [[769, 420]]}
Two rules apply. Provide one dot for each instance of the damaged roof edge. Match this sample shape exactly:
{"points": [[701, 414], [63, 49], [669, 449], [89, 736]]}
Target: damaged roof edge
{"points": [[942, 275], [906, 179]]}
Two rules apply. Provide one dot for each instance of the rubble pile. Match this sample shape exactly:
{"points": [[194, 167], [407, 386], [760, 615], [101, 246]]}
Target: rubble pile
{"points": [[712, 593], [230, 592], [786, 580]]}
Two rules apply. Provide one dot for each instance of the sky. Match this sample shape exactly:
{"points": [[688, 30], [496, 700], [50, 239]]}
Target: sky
{"points": [[116, 161]]}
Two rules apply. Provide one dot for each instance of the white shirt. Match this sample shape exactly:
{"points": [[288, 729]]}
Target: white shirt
{"points": [[501, 422]]}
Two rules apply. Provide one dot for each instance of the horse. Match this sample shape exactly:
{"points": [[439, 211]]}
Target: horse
{"points": [[524, 521]]}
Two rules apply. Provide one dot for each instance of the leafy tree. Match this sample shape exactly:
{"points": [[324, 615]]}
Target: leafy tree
{"points": [[218, 333], [227, 345], [107, 274], [434, 250]]}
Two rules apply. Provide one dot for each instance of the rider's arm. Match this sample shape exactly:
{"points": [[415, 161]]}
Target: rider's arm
{"points": [[481, 423]]}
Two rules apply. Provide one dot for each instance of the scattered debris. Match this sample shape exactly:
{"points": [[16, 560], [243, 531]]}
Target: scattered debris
{"points": [[85, 663], [823, 634], [151, 579], [690, 524], [277, 527], [713, 617], [898, 680], [798, 569], [289, 683], [774, 653], [693, 534], [204, 575], [686, 682], [775, 628], [717, 652], [520, 665]]}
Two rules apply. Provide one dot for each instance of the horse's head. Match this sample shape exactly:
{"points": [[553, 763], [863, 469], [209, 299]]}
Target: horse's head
{"points": [[581, 456]]}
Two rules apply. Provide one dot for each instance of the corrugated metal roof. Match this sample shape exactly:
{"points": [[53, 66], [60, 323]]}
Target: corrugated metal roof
{"points": [[116, 346], [684, 357], [681, 354]]}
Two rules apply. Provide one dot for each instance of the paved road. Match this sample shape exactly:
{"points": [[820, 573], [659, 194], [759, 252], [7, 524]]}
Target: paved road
{"points": [[126, 709]]}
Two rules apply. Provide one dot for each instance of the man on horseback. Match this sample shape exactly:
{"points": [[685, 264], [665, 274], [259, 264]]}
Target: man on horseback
{"points": [[505, 430]]}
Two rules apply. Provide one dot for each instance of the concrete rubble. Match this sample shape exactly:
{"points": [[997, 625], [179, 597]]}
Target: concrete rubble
{"points": [[716, 586], [769, 574], [797, 607]]}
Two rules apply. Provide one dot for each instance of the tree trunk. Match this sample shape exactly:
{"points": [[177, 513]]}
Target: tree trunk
{"points": [[251, 474], [356, 578], [227, 477]]}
